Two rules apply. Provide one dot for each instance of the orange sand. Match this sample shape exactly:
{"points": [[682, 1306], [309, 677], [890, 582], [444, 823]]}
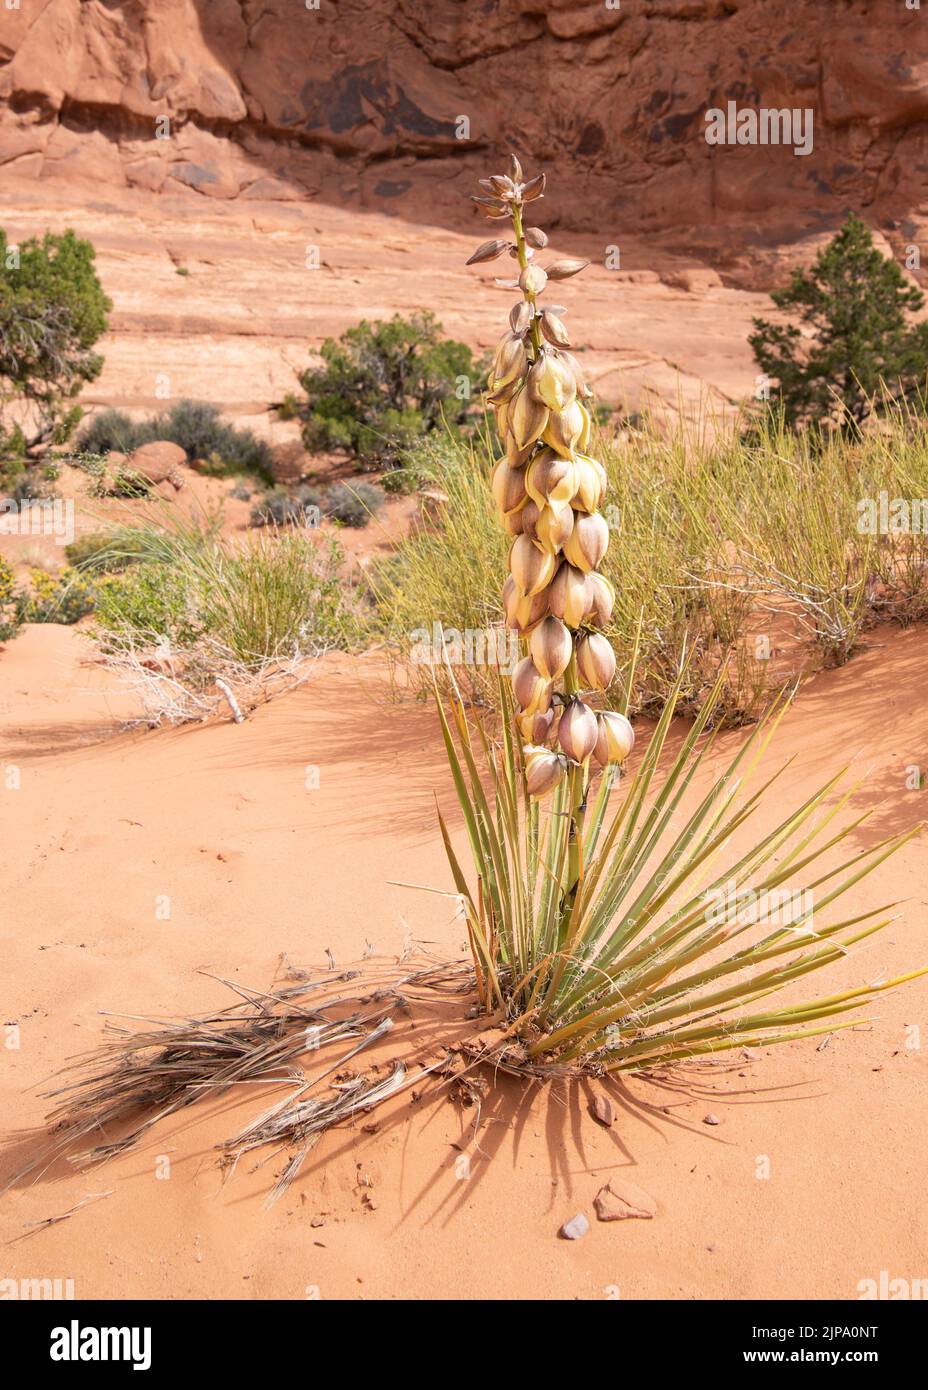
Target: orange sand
{"points": [[220, 819]]}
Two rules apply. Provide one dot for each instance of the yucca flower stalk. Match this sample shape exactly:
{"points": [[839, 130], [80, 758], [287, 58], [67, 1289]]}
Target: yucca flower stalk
{"points": [[592, 925], [548, 489]]}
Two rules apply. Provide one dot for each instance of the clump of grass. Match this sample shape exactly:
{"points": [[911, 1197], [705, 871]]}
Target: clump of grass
{"points": [[193, 605], [745, 552]]}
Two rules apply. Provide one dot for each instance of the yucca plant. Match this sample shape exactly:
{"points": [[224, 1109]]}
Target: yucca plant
{"points": [[604, 935], [624, 923]]}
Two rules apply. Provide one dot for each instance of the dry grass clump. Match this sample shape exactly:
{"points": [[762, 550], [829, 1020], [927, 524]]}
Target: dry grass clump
{"points": [[750, 552], [190, 609]]}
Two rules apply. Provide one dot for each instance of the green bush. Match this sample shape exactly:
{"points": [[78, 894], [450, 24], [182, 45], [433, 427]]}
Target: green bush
{"points": [[10, 614], [852, 336], [383, 386], [62, 598], [145, 606], [282, 507], [353, 505], [196, 426], [115, 431], [52, 312]]}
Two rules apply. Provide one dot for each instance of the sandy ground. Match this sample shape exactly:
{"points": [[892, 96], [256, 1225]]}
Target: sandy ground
{"points": [[221, 821]]}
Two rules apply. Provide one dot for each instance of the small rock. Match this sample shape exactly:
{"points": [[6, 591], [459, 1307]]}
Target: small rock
{"points": [[711, 1120], [575, 1228], [601, 1109], [159, 462], [619, 1200]]}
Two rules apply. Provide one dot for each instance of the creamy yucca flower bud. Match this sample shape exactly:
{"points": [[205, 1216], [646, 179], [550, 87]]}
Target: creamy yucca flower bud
{"points": [[509, 363], [587, 542], [551, 648], [564, 428], [530, 515], [523, 612], [535, 728], [577, 731], [509, 487], [543, 771], [551, 382], [530, 688], [526, 419], [552, 528], [532, 280], [595, 660], [615, 738], [569, 595], [531, 567], [551, 480], [602, 599], [591, 483]]}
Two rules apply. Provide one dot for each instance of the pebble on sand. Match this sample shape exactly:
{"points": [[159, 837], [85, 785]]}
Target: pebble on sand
{"points": [[576, 1227]]}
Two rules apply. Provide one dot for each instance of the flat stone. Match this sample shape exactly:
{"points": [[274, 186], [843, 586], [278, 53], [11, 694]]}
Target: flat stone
{"points": [[619, 1200]]}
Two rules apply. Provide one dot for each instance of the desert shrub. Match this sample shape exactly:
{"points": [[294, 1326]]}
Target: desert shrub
{"points": [[100, 551], [200, 430], [31, 485], [57, 598], [146, 606], [404, 479], [382, 386], [241, 492], [285, 506], [851, 336], [52, 312], [115, 431], [353, 505], [10, 612], [196, 426]]}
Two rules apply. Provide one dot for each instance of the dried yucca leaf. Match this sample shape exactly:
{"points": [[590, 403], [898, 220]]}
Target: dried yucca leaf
{"points": [[520, 316], [562, 270], [554, 329], [493, 207], [502, 185], [487, 251]]}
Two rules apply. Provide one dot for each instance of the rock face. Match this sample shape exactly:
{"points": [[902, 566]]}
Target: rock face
{"points": [[395, 107]]}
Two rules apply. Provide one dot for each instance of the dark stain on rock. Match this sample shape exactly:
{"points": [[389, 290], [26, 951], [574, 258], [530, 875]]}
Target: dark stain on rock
{"points": [[592, 139], [391, 188], [194, 174], [364, 92]]}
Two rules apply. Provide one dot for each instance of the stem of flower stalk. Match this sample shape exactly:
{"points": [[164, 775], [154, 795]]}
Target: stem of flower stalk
{"points": [[577, 787], [523, 262]]}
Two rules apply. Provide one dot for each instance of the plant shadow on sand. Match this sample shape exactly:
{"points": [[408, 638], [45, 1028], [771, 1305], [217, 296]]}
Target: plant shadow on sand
{"points": [[495, 1110]]}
